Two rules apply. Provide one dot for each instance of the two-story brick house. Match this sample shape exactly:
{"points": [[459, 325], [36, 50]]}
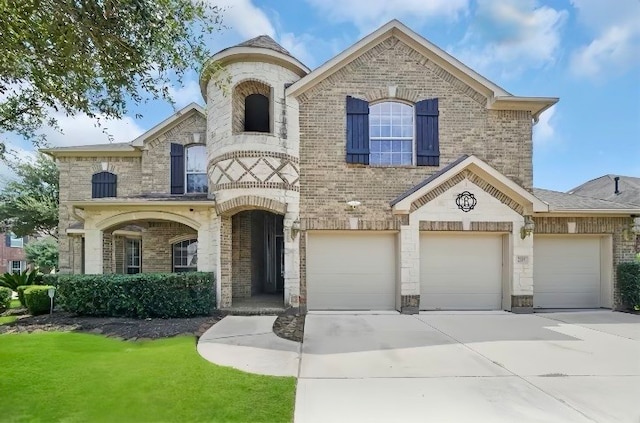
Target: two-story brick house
{"points": [[391, 177]]}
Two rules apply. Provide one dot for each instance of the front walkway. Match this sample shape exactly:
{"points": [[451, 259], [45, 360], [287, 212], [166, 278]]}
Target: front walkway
{"points": [[248, 343], [481, 367]]}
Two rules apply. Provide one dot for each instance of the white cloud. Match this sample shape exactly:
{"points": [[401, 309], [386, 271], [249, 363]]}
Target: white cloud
{"points": [[15, 153], [82, 130], [244, 18], [615, 47], [511, 35], [369, 14], [187, 93], [544, 131]]}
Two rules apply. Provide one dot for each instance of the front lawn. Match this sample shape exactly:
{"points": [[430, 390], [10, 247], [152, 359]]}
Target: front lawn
{"points": [[75, 377]]}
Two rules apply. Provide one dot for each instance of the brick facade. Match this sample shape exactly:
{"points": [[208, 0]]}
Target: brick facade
{"points": [[9, 254]]}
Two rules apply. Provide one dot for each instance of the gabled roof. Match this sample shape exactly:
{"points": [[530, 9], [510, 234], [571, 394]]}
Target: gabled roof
{"points": [[563, 202], [168, 123], [604, 189], [112, 149], [402, 204], [498, 97]]}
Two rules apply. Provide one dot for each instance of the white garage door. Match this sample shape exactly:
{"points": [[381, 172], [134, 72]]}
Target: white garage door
{"points": [[351, 271], [460, 271], [566, 272]]}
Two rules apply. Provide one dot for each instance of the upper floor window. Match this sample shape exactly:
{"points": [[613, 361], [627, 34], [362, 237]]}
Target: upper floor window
{"points": [[256, 113], [188, 169], [391, 134], [13, 241], [252, 107], [103, 184], [196, 169], [17, 266]]}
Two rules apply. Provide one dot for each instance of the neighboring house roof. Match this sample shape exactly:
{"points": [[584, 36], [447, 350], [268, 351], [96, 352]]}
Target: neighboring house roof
{"points": [[604, 189], [402, 204], [563, 202], [498, 98], [264, 41]]}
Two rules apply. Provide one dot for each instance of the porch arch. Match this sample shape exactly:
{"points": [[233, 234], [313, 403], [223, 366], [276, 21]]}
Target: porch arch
{"points": [[146, 215], [250, 202]]}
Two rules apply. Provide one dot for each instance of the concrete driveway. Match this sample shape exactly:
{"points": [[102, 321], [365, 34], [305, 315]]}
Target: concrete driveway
{"points": [[474, 366]]}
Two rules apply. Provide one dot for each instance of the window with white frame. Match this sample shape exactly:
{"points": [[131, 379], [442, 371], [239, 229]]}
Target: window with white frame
{"points": [[132, 255], [196, 169], [17, 266], [16, 242], [391, 134], [185, 256]]}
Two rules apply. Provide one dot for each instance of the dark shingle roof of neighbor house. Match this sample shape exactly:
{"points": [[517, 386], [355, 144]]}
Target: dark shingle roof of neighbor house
{"points": [[604, 189], [563, 201], [264, 41]]}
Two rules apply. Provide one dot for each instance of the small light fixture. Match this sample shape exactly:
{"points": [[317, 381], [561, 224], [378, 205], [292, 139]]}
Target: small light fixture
{"points": [[295, 228], [353, 204], [52, 292], [527, 228]]}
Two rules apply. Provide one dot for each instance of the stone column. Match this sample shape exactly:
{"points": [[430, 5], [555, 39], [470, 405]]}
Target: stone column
{"points": [[206, 248], [93, 252], [291, 262], [522, 275], [409, 269]]}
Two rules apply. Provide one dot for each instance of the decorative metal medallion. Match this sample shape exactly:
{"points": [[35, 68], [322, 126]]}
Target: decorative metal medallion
{"points": [[466, 201]]}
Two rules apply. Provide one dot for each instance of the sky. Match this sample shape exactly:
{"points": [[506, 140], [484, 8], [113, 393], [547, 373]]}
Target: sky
{"points": [[586, 52]]}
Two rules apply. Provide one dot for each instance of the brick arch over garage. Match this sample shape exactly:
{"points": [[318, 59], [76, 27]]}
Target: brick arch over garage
{"points": [[250, 202], [146, 215]]}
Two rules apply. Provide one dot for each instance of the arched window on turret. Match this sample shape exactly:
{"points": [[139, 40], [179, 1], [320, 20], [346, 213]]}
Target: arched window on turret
{"points": [[252, 107], [256, 113]]}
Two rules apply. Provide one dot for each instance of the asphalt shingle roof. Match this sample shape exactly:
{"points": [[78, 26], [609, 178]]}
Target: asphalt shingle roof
{"points": [[604, 189], [264, 41], [563, 201]]}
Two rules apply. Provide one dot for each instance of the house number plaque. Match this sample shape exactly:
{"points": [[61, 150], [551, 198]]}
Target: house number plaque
{"points": [[466, 201]]}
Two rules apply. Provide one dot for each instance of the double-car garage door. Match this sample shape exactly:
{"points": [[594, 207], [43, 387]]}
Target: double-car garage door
{"points": [[458, 271]]}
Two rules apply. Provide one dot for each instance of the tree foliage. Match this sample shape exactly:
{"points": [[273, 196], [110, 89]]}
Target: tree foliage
{"points": [[43, 253], [94, 56], [29, 203]]}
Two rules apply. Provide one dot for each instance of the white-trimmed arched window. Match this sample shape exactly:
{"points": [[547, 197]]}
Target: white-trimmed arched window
{"points": [[391, 134]]}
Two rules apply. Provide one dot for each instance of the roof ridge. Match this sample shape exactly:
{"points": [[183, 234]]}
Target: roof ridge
{"points": [[587, 197]]}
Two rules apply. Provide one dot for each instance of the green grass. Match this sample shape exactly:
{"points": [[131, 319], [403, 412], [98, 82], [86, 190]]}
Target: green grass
{"points": [[15, 304], [7, 319], [74, 377]]}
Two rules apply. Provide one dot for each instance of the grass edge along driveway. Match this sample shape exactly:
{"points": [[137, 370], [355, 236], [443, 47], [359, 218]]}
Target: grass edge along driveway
{"points": [[75, 377]]}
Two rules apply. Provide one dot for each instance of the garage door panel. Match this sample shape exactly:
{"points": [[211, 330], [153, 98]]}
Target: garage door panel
{"points": [[460, 271], [566, 272], [351, 271]]}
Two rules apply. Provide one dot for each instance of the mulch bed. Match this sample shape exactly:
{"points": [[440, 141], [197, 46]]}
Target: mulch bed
{"points": [[289, 327], [119, 327]]}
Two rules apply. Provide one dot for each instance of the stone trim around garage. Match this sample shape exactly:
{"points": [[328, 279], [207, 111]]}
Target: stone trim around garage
{"points": [[344, 224], [457, 226]]}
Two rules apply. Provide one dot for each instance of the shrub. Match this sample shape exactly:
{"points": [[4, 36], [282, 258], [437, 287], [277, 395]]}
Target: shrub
{"points": [[20, 291], [629, 283], [37, 299], [5, 298], [14, 280], [142, 295]]}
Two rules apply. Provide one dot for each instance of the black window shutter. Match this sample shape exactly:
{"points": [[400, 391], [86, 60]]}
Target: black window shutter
{"points": [[357, 131], [177, 169], [104, 184], [427, 139], [7, 239]]}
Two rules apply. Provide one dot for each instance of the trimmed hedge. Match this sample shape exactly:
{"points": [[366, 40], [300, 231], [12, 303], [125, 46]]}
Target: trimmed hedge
{"points": [[37, 299], [20, 290], [140, 296], [629, 284], [5, 298]]}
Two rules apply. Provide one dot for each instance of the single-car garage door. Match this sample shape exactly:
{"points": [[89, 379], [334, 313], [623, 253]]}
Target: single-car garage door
{"points": [[566, 272], [351, 271], [460, 271]]}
